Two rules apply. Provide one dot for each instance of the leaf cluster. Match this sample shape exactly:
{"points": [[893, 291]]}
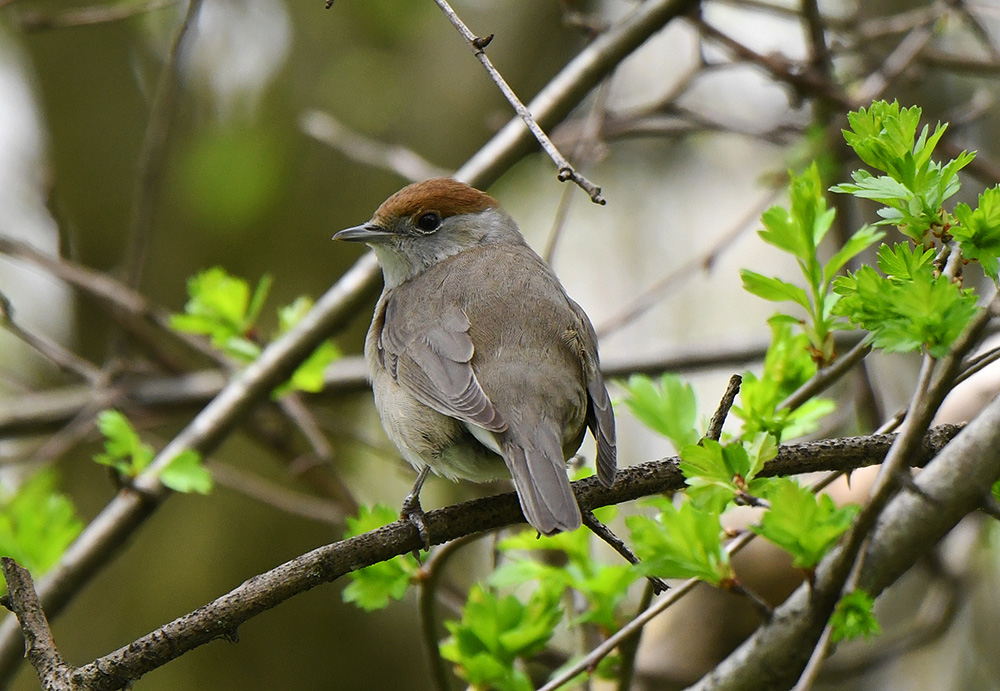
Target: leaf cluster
{"points": [[853, 617], [799, 231], [37, 522], [129, 456], [497, 633], [372, 587], [911, 306], [913, 187], [223, 308]]}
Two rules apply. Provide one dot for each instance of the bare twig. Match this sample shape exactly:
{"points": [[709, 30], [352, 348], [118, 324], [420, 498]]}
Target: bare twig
{"points": [[151, 156], [86, 16], [824, 378], [281, 498], [63, 358], [40, 648], [617, 544], [722, 412], [566, 170], [652, 295], [402, 161]]}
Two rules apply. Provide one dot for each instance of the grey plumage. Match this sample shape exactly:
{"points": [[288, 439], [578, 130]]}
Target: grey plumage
{"points": [[480, 362]]}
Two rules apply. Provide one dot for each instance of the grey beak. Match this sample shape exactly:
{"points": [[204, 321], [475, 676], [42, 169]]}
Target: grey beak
{"points": [[367, 232]]}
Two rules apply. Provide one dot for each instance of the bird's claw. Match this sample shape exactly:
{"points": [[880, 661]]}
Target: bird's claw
{"points": [[414, 514]]}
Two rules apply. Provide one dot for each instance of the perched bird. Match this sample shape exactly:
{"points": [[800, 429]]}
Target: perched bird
{"points": [[479, 361]]}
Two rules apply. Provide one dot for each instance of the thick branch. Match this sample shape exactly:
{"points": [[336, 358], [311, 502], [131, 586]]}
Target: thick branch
{"points": [[909, 526], [222, 617]]}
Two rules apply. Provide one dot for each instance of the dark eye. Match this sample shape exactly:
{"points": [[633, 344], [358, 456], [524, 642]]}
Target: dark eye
{"points": [[429, 222]]}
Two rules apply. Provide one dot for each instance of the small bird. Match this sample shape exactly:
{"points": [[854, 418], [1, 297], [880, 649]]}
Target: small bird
{"points": [[480, 363]]}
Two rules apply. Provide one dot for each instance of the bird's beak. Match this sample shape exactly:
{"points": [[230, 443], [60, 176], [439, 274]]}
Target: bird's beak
{"points": [[369, 232]]}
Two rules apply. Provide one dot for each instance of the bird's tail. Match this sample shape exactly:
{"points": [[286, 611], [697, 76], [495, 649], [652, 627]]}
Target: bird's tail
{"points": [[535, 461]]}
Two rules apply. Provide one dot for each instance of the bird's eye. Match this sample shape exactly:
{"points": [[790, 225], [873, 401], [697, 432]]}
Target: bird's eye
{"points": [[429, 222]]}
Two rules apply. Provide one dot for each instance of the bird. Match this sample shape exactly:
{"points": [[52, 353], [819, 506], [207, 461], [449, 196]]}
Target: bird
{"points": [[482, 366]]}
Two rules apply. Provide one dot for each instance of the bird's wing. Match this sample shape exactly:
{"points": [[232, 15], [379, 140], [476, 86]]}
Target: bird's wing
{"points": [[600, 414], [433, 363]]}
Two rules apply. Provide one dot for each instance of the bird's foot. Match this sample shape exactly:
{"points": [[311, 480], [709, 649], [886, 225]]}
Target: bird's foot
{"points": [[414, 514]]}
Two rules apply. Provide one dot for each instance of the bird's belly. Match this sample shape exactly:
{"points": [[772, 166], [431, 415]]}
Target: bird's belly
{"points": [[425, 437]]}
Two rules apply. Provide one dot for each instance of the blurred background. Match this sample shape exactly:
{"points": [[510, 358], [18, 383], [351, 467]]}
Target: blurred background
{"points": [[251, 160]]}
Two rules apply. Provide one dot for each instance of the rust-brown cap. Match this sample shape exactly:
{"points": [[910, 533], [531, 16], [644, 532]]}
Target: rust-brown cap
{"points": [[445, 196]]}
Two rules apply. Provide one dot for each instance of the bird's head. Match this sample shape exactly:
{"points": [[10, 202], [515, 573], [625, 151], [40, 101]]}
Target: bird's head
{"points": [[427, 222]]}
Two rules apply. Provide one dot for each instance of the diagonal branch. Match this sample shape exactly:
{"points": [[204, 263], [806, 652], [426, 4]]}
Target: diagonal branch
{"points": [[566, 170]]}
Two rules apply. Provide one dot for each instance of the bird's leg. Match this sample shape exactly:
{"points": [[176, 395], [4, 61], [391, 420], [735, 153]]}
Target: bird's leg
{"points": [[413, 512], [604, 532]]}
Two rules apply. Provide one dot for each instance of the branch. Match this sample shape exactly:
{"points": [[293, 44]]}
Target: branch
{"points": [[566, 170], [909, 526], [152, 153], [222, 617], [403, 162], [40, 648]]}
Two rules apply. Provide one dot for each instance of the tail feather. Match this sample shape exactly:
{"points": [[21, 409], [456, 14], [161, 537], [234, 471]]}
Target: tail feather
{"points": [[539, 473]]}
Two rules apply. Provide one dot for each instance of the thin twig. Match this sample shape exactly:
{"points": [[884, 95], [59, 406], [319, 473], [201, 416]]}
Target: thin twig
{"points": [[402, 161], [722, 412], [824, 378], [278, 497], [635, 625], [63, 358], [478, 44], [617, 544], [85, 16], [431, 574], [703, 261], [151, 156]]}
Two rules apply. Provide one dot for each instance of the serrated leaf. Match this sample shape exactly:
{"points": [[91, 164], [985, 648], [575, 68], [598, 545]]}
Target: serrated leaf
{"points": [[666, 406], [186, 473], [853, 617], [496, 631], [123, 449], [803, 524], [773, 289], [978, 231], [909, 309], [683, 542], [372, 587]]}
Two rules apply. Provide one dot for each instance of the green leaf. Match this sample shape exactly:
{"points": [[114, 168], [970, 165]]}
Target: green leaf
{"points": [[855, 245], [220, 306], [667, 406], [684, 542], [309, 376], [495, 632], [123, 450], [853, 617], [37, 523], [186, 473], [773, 289], [803, 524], [374, 586], [788, 364], [603, 586], [910, 308], [978, 231]]}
